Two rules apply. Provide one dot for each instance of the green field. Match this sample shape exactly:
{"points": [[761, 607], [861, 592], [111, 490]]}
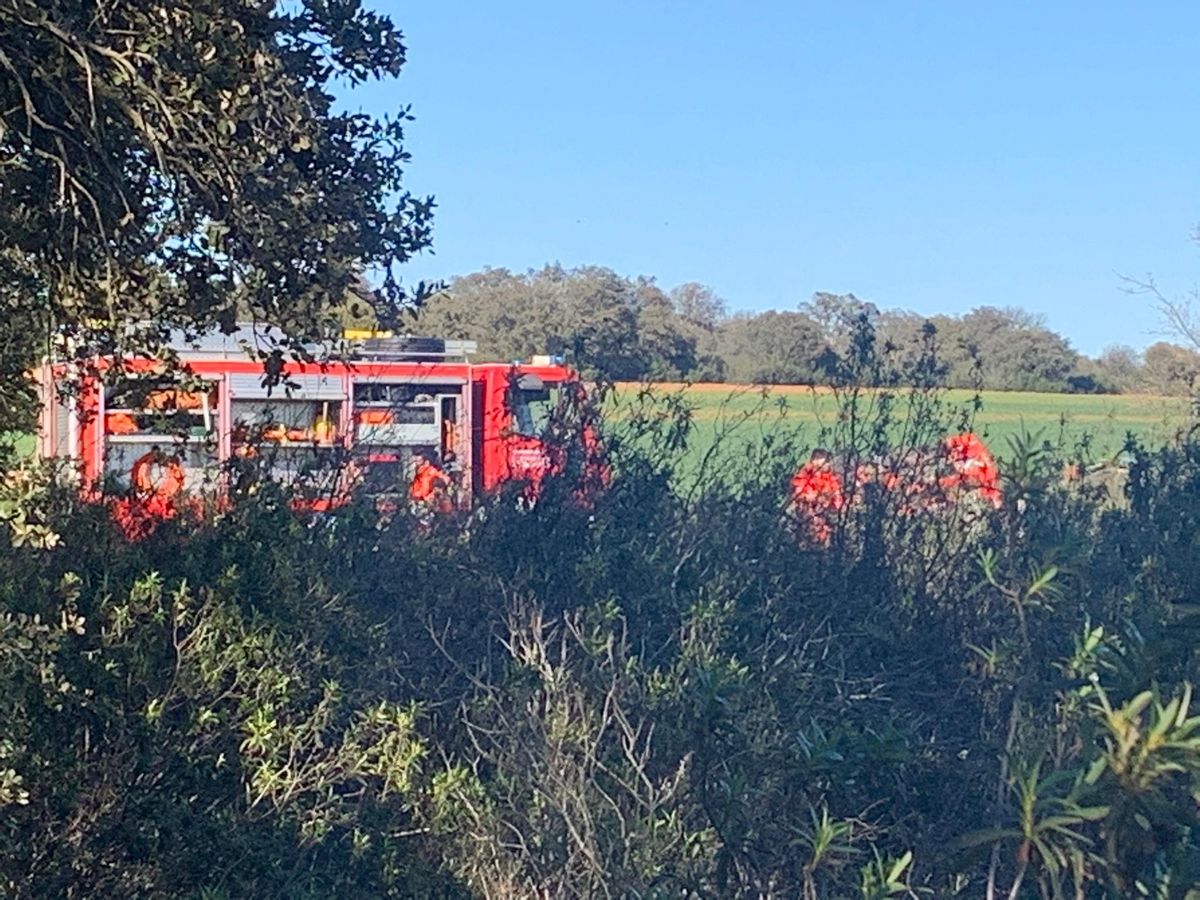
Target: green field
{"points": [[745, 413], [1103, 422]]}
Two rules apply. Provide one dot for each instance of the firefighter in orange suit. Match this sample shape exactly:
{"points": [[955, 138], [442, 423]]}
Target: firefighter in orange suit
{"points": [[817, 495], [430, 486]]}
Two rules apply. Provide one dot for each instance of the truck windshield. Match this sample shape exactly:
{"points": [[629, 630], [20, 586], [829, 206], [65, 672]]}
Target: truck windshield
{"points": [[531, 409]]}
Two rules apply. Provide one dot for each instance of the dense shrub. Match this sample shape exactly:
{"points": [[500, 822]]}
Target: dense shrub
{"points": [[664, 693]]}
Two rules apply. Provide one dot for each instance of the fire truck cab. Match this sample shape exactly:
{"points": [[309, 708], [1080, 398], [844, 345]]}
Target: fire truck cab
{"points": [[386, 408]]}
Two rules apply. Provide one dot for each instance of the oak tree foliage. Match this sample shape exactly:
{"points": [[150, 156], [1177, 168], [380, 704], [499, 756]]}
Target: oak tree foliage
{"points": [[168, 164]]}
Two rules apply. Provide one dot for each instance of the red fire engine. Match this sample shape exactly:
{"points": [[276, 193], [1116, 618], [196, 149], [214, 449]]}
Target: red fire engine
{"points": [[407, 415]]}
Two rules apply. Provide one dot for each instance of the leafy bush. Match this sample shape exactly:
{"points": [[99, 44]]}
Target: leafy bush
{"points": [[665, 692]]}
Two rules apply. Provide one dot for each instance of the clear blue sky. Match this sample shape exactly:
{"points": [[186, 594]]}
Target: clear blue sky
{"points": [[932, 156]]}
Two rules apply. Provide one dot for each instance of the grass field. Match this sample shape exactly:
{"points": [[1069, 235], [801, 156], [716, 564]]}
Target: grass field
{"points": [[1064, 420]]}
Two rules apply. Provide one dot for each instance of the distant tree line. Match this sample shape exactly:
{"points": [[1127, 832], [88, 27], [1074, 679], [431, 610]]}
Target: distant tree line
{"points": [[631, 328]]}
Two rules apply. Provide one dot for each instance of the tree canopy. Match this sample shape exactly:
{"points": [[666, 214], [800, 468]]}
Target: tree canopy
{"points": [[180, 165], [630, 328], [624, 328]]}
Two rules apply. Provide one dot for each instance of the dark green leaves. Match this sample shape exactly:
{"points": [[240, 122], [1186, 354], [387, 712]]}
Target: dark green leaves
{"points": [[170, 162]]}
